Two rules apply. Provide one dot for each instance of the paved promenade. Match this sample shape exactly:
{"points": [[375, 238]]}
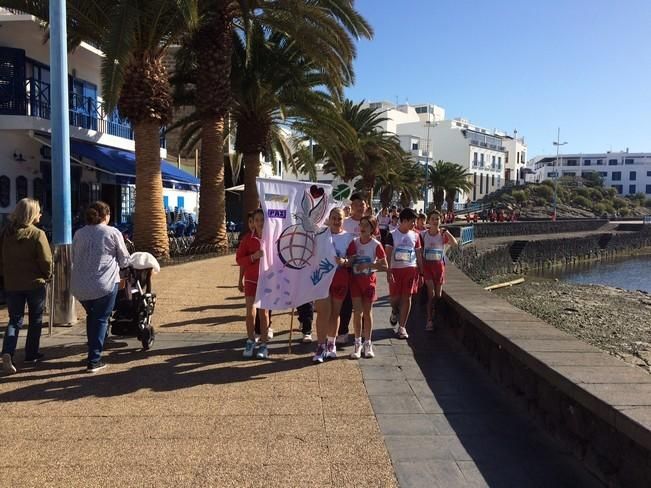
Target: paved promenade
{"points": [[191, 412]]}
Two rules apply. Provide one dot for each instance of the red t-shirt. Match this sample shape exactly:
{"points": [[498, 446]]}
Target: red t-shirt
{"points": [[249, 245]]}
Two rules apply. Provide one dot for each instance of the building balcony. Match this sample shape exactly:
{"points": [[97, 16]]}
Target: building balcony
{"points": [[486, 145]]}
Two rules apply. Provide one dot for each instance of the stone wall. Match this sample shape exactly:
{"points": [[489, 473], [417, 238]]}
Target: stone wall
{"points": [[500, 229]]}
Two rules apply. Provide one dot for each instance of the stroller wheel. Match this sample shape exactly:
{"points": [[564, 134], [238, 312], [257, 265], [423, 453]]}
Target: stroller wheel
{"points": [[147, 337]]}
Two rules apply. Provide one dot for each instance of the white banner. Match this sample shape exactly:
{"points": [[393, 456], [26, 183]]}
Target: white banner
{"points": [[299, 258]]}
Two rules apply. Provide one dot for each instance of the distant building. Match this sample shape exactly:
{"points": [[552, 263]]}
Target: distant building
{"points": [[102, 156], [628, 173]]}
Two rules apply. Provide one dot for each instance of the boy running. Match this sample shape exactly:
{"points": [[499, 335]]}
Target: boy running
{"points": [[403, 249]]}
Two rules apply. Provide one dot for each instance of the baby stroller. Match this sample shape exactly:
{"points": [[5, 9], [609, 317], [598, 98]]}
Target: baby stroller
{"points": [[134, 305]]}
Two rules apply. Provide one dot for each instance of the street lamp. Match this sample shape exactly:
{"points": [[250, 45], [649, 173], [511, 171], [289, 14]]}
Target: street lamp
{"points": [[558, 145], [428, 124]]}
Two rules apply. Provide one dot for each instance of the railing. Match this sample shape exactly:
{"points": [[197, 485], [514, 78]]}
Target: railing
{"points": [[84, 112], [467, 235]]}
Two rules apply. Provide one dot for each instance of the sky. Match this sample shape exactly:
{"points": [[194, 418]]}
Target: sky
{"points": [[530, 65]]}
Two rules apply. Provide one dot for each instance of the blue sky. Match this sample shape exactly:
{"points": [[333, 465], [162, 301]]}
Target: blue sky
{"points": [[530, 65]]}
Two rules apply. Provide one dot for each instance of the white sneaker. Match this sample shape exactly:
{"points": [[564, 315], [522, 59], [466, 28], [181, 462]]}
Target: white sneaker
{"points": [[402, 333], [320, 354], [307, 338], [331, 351], [357, 351], [367, 348], [270, 334], [342, 339], [248, 349], [7, 364]]}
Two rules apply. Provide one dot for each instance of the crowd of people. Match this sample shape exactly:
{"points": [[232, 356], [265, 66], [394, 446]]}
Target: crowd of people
{"points": [[408, 246]]}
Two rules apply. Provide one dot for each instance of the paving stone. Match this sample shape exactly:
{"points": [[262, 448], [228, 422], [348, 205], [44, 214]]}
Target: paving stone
{"points": [[395, 404], [387, 387], [428, 474]]}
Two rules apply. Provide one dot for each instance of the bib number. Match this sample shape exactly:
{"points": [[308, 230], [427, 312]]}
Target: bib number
{"points": [[403, 255], [362, 260], [433, 254]]}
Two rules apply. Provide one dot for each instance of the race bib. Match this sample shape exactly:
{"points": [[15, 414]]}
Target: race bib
{"points": [[403, 255], [362, 260], [433, 254]]}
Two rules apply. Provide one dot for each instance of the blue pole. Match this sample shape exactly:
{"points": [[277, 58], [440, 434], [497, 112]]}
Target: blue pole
{"points": [[61, 212]]}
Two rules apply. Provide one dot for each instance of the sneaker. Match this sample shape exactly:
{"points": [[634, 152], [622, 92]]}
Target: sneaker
{"points": [[36, 359], [331, 352], [357, 350], [7, 364], [342, 339], [320, 354], [430, 326], [95, 367], [368, 350], [248, 349], [263, 351], [307, 338], [393, 319], [402, 333], [270, 334]]}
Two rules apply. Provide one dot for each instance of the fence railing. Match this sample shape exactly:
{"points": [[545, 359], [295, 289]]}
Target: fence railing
{"points": [[467, 235]]}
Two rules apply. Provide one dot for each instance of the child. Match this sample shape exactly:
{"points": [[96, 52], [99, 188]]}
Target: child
{"points": [[404, 264], [420, 223], [433, 242], [248, 257], [367, 256], [393, 225]]}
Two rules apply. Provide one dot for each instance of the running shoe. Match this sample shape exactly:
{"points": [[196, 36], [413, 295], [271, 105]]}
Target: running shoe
{"points": [[393, 320], [331, 352], [248, 349], [430, 326], [7, 364], [357, 350], [95, 367], [368, 350], [36, 359], [263, 351], [320, 354], [402, 333], [270, 334], [342, 339], [307, 338]]}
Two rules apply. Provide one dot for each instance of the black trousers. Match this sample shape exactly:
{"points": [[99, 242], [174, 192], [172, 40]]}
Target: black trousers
{"points": [[345, 314], [306, 316]]}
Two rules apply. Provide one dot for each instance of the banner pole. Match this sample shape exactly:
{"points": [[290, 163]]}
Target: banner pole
{"points": [[291, 328]]}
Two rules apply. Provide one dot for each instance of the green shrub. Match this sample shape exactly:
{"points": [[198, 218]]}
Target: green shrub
{"points": [[647, 203], [624, 211], [583, 191], [638, 198], [609, 208], [599, 209], [611, 192], [519, 196], [549, 183], [543, 191], [596, 194], [582, 201], [539, 202], [619, 203]]}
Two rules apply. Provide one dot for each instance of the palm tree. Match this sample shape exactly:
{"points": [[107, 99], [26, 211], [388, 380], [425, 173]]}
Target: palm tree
{"points": [[404, 181], [135, 36], [446, 179], [317, 26]]}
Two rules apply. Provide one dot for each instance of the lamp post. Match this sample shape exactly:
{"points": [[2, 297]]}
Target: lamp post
{"points": [[558, 145], [64, 312], [428, 124]]}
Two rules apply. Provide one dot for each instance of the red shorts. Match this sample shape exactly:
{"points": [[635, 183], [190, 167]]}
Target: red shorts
{"points": [[405, 281], [434, 271], [250, 287], [363, 286], [340, 284]]}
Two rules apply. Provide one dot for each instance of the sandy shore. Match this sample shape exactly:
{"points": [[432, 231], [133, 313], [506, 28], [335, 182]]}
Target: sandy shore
{"points": [[615, 320]]}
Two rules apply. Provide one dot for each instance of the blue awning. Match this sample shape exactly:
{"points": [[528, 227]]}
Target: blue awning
{"points": [[123, 163]]}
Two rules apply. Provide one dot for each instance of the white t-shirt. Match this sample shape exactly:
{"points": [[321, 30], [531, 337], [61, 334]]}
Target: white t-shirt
{"points": [[366, 253], [341, 242], [384, 221], [403, 254], [352, 226], [433, 246]]}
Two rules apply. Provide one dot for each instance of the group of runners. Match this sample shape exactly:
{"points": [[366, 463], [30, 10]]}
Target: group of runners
{"points": [[409, 247]]}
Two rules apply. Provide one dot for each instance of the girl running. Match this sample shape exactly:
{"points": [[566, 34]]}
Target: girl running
{"points": [[433, 242], [367, 256], [327, 321], [248, 257], [420, 223]]}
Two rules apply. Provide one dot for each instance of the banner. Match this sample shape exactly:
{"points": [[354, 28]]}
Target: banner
{"points": [[299, 258]]}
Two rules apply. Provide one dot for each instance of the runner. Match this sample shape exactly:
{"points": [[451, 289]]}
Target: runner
{"points": [[383, 220], [328, 313], [404, 261], [433, 242], [248, 256], [420, 223], [368, 256]]}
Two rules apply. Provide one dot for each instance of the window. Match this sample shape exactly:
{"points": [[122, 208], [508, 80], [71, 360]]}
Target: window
{"points": [[481, 160], [493, 180], [612, 162], [587, 162], [569, 173], [603, 174], [127, 203], [166, 202], [499, 178], [600, 162], [38, 191], [618, 188], [631, 189], [414, 146], [474, 160], [180, 202], [572, 162], [474, 186], [648, 173], [632, 175], [421, 110], [617, 176], [648, 189], [629, 161], [5, 191], [21, 188], [481, 183], [499, 162]]}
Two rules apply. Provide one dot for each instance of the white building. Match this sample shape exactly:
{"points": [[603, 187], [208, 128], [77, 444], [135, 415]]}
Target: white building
{"points": [[101, 145], [493, 157], [628, 173]]}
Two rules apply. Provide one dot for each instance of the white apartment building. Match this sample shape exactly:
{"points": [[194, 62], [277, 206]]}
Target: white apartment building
{"points": [[493, 157], [628, 173], [102, 156]]}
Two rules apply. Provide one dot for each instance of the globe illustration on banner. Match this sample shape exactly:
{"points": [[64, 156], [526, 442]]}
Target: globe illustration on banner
{"points": [[297, 242]]}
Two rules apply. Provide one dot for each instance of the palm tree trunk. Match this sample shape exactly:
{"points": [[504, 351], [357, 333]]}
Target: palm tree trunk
{"points": [[251, 199], [150, 226], [211, 229]]}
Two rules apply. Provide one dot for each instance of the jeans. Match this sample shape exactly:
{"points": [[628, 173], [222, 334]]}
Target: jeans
{"points": [[345, 314], [98, 312], [306, 316], [16, 300]]}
